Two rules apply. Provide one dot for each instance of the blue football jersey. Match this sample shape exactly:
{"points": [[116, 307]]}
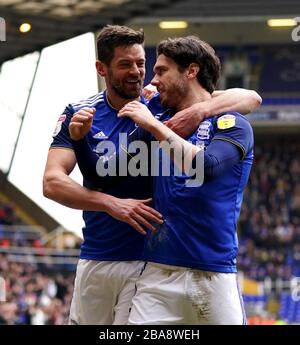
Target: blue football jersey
{"points": [[106, 238], [199, 231]]}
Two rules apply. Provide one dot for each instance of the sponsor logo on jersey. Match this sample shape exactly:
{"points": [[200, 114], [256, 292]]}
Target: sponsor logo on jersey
{"points": [[100, 135], [60, 121]]}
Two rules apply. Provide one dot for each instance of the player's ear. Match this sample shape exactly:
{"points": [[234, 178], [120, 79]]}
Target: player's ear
{"points": [[101, 68], [193, 70]]}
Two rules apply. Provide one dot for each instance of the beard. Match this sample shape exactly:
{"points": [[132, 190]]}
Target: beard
{"points": [[124, 89], [176, 91]]}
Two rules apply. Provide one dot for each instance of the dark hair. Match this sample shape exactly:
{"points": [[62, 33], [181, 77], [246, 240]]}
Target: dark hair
{"points": [[190, 49], [112, 36]]}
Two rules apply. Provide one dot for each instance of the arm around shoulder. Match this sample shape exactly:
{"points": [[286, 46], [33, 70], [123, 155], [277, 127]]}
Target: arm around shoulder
{"points": [[240, 100], [186, 121]]}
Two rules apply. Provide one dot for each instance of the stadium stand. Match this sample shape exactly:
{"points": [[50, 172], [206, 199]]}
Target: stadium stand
{"points": [[269, 228], [34, 295], [38, 279], [270, 217]]}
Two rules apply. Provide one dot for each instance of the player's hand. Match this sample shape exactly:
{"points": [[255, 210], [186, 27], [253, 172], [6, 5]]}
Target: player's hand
{"points": [[81, 123], [139, 113], [135, 212], [149, 91], [186, 121]]}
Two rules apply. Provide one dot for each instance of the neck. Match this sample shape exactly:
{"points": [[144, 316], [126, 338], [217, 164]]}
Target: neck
{"points": [[195, 94], [116, 101]]}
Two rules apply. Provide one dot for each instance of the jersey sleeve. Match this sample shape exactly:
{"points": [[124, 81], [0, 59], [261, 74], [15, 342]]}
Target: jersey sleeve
{"points": [[235, 129], [219, 157], [61, 135]]}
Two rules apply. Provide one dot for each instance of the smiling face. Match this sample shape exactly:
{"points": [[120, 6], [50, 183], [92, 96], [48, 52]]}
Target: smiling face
{"points": [[170, 81], [125, 74]]}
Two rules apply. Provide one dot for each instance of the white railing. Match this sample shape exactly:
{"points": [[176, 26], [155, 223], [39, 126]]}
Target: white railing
{"points": [[30, 232], [47, 260]]}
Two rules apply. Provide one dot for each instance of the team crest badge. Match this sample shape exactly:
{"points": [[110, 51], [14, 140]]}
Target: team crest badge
{"points": [[203, 130]]}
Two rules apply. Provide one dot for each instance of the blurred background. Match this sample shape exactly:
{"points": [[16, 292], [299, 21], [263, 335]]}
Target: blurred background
{"points": [[47, 55]]}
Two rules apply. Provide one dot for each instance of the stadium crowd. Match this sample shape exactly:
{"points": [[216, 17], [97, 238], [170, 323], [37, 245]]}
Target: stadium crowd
{"points": [[33, 295], [269, 228]]}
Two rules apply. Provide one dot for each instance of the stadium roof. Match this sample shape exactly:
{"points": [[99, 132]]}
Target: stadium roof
{"points": [[56, 20]]}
